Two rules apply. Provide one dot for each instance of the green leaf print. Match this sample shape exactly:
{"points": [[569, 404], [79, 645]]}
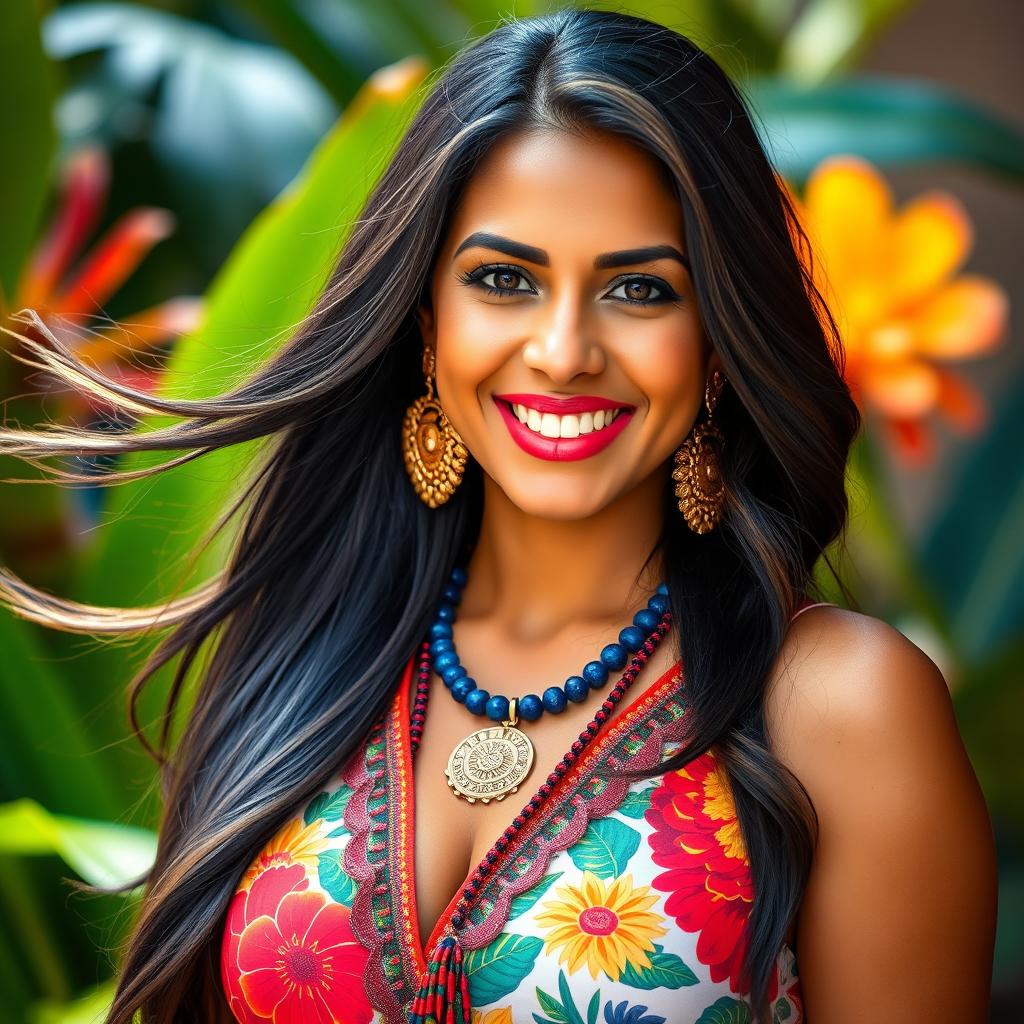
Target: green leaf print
{"points": [[565, 1012], [497, 969], [725, 1011], [329, 806], [522, 903], [637, 802], [333, 879], [783, 1011], [666, 971], [605, 848]]}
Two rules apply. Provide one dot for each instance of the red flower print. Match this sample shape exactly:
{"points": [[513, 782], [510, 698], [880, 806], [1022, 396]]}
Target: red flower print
{"points": [[301, 964], [696, 835], [262, 898]]}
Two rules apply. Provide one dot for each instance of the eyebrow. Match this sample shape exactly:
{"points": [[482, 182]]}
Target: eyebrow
{"points": [[621, 258]]}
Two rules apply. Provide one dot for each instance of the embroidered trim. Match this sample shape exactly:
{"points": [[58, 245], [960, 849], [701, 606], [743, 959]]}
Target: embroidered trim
{"points": [[367, 862]]}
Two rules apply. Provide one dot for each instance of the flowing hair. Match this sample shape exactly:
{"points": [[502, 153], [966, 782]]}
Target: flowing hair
{"points": [[337, 565]]}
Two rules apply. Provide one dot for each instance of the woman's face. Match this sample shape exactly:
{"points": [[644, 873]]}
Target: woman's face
{"points": [[597, 345]]}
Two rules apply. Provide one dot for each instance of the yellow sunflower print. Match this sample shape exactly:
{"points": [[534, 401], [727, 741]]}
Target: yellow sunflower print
{"points": [[604, 926]]}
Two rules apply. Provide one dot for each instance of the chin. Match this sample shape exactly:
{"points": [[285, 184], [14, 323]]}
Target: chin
{"points": [[557, 500]]}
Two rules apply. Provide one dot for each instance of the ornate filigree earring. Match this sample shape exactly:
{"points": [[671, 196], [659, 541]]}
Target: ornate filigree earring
{"points": [[435, 455], [698, 472]]}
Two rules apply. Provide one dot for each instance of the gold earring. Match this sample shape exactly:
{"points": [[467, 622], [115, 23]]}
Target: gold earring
{"points": [[434, 454], [700, 489]]}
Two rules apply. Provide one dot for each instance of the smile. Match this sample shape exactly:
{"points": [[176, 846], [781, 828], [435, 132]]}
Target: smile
{"points": [[562, 430]]}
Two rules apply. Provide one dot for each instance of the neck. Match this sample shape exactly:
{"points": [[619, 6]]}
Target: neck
{"points": [[532, 576]]}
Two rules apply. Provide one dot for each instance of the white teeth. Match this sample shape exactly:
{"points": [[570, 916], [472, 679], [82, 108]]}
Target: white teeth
{"points": [[549, 424]]}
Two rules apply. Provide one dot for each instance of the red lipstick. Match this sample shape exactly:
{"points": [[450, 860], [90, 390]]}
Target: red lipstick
{"points": [[562, 449]]}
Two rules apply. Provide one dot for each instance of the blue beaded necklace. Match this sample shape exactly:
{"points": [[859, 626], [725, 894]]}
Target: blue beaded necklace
{"points": [[492, 762]]}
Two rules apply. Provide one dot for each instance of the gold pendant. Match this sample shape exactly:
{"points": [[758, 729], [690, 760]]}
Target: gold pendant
{"points": [[491, 763]]}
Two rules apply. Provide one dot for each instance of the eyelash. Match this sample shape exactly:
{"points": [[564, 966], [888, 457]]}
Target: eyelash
{"points": [[475, 278]]}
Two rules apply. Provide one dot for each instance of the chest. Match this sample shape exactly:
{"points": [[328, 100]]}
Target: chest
{"points": [[624, 902]]}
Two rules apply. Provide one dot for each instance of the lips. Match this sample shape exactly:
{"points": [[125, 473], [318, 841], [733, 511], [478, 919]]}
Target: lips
{"points": [[588, 409]]}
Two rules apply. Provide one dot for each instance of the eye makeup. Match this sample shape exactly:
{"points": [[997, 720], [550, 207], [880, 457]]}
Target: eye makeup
{"points": [[475, 278]]}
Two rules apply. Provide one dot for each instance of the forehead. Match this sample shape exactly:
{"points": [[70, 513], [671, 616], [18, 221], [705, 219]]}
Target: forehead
{"points": [[565, 193]]}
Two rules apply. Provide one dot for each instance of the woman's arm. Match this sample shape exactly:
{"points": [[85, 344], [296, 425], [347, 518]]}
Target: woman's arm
{"points": [[898, 920]]}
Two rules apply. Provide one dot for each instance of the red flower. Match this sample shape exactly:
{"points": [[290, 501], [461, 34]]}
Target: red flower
{"points": [[697, 837], [297, 959], [261, 898]]}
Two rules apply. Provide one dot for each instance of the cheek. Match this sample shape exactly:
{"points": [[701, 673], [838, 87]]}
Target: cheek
{"points": [[471, 347], [668, 368]]}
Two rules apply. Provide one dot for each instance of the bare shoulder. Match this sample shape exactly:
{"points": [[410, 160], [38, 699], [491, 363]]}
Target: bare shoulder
{"points": [[905, 856]]}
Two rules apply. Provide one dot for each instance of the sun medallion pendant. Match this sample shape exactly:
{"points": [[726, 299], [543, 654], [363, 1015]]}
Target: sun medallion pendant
{"points": [[491, 763]]}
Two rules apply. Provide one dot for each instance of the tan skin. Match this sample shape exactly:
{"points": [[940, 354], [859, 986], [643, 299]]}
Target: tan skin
{"points": [[898, 918]]}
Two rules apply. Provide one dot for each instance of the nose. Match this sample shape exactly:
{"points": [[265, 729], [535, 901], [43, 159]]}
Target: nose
{"points": [[561, 345]]}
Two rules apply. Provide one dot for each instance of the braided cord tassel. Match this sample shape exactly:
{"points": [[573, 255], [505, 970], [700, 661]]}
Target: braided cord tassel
{"points": [[443, 998]]}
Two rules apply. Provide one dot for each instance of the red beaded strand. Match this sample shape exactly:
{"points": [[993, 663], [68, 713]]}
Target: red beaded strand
{"points": [[617, 692]]}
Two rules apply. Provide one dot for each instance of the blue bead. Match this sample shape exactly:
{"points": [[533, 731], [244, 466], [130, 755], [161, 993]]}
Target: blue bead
{"points": [[658, 603], [554, 699], [646, 620], [632, 638], [459, 576], [440, 646], [445, 613], [477, 701], [497, 707], [462, 688], [576, 689], [446, 659], [595, 673], [662, 589], [530, 707], [452, 594], [440, 630], [614, 656], [453, 673]]}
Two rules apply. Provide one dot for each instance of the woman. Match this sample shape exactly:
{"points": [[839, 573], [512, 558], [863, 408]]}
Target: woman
{"points": [[568, 409]]}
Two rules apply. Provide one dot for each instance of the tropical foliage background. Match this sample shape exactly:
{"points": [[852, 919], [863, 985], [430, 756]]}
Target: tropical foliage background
{"points": [[176, 178]]}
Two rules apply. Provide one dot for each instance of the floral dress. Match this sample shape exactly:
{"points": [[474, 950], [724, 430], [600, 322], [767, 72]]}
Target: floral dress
{"points": [[617, 904]]}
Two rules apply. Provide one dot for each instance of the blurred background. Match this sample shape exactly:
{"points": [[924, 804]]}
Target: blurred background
{"points": [[176, 178]]}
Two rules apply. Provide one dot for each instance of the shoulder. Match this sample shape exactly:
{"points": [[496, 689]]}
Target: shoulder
{"points": [[864, 720], [849, 691]]}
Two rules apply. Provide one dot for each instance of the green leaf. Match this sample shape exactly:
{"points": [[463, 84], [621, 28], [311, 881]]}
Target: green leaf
{"points": [[636, 802], [87, 1009], [783, 1011], [885, 120], [101, 852], [666, 971], [524, 901], [26, 119], [552, 1007], [47, 751], [497, 969], [829, 35], [593, 1007], [338, 885], [605, 848], [725, 1011], [330, 806]]}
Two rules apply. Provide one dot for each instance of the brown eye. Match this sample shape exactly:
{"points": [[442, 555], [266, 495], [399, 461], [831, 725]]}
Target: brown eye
{"points": [[638, 291], [507, 280], [643, 291]]}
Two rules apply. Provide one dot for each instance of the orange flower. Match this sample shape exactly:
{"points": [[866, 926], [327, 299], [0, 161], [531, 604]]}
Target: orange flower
{"points": [[294, 844], [66, 299], [888, 278]]}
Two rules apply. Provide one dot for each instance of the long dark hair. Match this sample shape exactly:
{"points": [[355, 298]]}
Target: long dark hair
{"points": [[337, 564]]}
